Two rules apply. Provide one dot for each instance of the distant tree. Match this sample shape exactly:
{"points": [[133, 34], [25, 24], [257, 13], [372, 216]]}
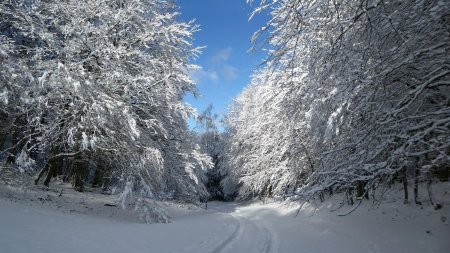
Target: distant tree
{"points": [[210, 140]]}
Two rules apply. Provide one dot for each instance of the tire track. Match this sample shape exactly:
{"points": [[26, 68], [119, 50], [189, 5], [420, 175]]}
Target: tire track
{"points": [[251, 234], [272, 241], [268, 240], [230, 239], [247, 229]]}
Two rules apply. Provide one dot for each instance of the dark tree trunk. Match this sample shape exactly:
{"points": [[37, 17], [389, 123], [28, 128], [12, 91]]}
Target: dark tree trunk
{"points": [[405, 186], [41, 173], [54, 166], [361, 191], [49, 175], [16, 135], [14, 138], [79, 171], [350, 196], [416, 187], [430, 193]]}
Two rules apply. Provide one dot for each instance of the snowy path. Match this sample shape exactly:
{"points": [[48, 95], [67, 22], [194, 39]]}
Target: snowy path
{"points": [[248, 235], [225, 227]]}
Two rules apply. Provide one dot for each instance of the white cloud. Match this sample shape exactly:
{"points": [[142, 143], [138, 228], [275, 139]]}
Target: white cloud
{"points": [[200, 74], [222, 55], [229, 72], [218, 69], [213, 76]]}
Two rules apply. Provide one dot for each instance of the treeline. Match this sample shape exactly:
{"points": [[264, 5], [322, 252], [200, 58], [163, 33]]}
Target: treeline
{"points": [[354, 96], [92, 92]]}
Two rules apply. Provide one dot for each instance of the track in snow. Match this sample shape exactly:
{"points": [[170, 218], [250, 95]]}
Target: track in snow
{"points": [[248, 236]]}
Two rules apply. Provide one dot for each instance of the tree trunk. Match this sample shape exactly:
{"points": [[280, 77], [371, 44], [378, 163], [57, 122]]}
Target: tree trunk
{"points": [[41, 173], [49, 175], [361, 190], [430, 193], [416, 187], [77, 174], [349, 197], [405, 186], [14, 138]]}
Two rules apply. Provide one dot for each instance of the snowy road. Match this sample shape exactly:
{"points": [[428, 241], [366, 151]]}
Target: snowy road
{"points": [[249, 235], [224, 227]]}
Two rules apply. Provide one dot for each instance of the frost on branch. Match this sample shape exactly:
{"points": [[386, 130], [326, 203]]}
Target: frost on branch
{"points": [[353, 98], [92, 91], [24, 162]]}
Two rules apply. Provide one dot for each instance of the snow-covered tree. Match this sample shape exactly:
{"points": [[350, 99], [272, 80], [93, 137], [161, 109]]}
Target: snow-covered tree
{"points": [[96, 88], [354, 94], [211, 142]]}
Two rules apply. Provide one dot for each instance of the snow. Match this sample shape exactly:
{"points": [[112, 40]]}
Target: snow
{"points": [[4, 96], [397, 230], [85, 142], [24, 162], [225, 227], [35, 229]]}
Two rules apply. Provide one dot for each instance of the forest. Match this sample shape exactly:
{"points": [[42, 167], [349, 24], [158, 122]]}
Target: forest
{"points": [[352, 100], [354, 96]]}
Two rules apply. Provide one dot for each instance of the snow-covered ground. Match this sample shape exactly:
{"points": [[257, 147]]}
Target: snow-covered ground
{"points": [[226, 227], [60, 220]]}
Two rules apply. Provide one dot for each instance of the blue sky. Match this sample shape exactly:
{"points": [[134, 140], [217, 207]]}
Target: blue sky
{"points": [[226, 62]]}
